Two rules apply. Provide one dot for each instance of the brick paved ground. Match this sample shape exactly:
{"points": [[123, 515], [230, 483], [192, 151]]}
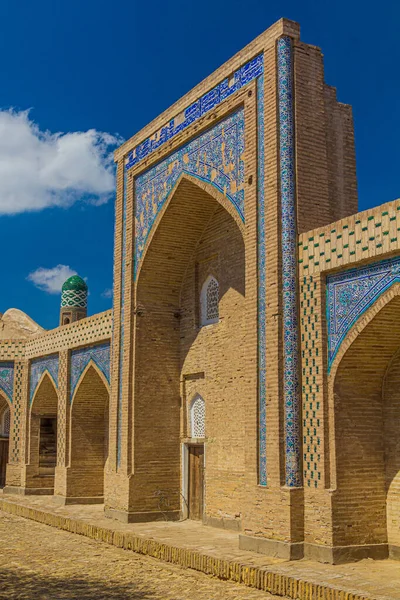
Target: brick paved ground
{"points": [[40, 562]]}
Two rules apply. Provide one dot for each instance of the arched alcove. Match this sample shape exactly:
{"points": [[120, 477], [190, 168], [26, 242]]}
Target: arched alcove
{"points": [[197, 236], [43, 435], [89, 435], [366, 409]]}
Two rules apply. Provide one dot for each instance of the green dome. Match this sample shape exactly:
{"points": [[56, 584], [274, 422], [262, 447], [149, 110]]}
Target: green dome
{"points": [[74, 283]]}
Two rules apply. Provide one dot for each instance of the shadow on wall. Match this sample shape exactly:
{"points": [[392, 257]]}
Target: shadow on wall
{"points": [[14, 583]]}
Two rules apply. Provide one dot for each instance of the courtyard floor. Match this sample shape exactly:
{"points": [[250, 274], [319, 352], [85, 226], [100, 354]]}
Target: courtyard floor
{"points": [[74, 566], [38, 561]]}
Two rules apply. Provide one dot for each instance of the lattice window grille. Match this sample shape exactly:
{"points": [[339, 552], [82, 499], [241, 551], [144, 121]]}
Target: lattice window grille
{"points": [[209, 301], [198, 418]]}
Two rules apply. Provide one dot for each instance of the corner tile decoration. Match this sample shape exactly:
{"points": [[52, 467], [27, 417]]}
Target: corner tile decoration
{"points": [[214, 156], [230, 85], [262, 277], [350, 293], [38, 367], [7, 379], [80, 358], [289, 265]]}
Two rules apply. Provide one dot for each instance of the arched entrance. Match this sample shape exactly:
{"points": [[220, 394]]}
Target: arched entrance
{"points": [[43, 437], [89, 436], [5, 416], [366, 503], [182, 349]]}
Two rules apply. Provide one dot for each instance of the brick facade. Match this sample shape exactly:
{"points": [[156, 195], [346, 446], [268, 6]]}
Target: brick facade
{"points": [[248, 179]]}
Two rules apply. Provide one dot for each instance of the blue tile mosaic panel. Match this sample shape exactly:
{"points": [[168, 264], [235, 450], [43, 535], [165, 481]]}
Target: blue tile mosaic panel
{"points": [[289, 265], [7, 379], [38, 367], [230, 85], [350, 293], [80, 358], [215, 157]]}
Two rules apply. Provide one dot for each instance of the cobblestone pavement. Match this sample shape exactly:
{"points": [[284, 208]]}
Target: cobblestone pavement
{"points": [[39, 562]]}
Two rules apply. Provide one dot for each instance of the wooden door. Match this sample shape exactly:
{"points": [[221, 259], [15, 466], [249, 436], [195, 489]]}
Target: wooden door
{"points": [[196, 482], [3, 460]]}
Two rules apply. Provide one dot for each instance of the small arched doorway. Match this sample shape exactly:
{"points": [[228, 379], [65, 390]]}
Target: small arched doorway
{"points": [[5, 415], [366, 503], [89, 436], [43, 436]]}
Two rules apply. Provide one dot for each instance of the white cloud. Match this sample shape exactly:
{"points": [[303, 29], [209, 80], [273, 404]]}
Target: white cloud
{"points": [[39, 169], [51, 280], [108, 293]]}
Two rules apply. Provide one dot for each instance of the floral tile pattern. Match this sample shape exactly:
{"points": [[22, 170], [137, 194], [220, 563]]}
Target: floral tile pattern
{"points": [[80, 358], [38, 367], [7, 379], [350, 293]]}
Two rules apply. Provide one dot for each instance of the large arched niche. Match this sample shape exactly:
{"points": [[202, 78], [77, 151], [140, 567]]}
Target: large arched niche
{"points": [[43, 434], [89, 435], [364, 400], [167, 326]]}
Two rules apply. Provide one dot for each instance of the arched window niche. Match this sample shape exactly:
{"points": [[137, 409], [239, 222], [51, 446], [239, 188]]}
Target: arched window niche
{"points": [[197, 415], [209, 302]]}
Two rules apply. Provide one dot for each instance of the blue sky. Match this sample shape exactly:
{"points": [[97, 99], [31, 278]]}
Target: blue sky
{"points": [[111, 67]]}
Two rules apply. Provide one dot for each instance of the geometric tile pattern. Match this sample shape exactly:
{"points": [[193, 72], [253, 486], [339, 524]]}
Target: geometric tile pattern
{"points": [[351, 293], [80, 358], [214, 156], [200, 107], [38, 367], [289, 265], [7, 379], [74, 298], [262, 278], [311, 381], [17, 425]]}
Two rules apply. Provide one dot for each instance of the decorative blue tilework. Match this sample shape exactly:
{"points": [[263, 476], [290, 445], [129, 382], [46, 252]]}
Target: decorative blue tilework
{"points": [[122, 322], [38, 367], [7, 379], [215, 157], [262, 390], [289, 265], [223, 90], [80, 358], [351, 293]]}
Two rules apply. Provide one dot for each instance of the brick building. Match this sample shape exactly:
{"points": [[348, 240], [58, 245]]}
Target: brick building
{"points": [[254, 367]]}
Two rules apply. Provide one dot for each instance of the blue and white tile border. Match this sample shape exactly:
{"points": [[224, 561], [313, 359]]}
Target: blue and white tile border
{"points": [[39, 366], [227, 87], [350, 293], [7, 379], [289, 265], [122, 322], [81, 357]]}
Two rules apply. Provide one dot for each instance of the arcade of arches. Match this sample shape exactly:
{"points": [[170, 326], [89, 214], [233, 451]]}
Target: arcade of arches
{"points": [[248, 374]]}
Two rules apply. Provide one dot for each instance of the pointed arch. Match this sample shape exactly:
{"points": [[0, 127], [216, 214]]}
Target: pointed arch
{"points": [[45, 375], [92, 363], [207, 187], [361, 323], [88, 436]]}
